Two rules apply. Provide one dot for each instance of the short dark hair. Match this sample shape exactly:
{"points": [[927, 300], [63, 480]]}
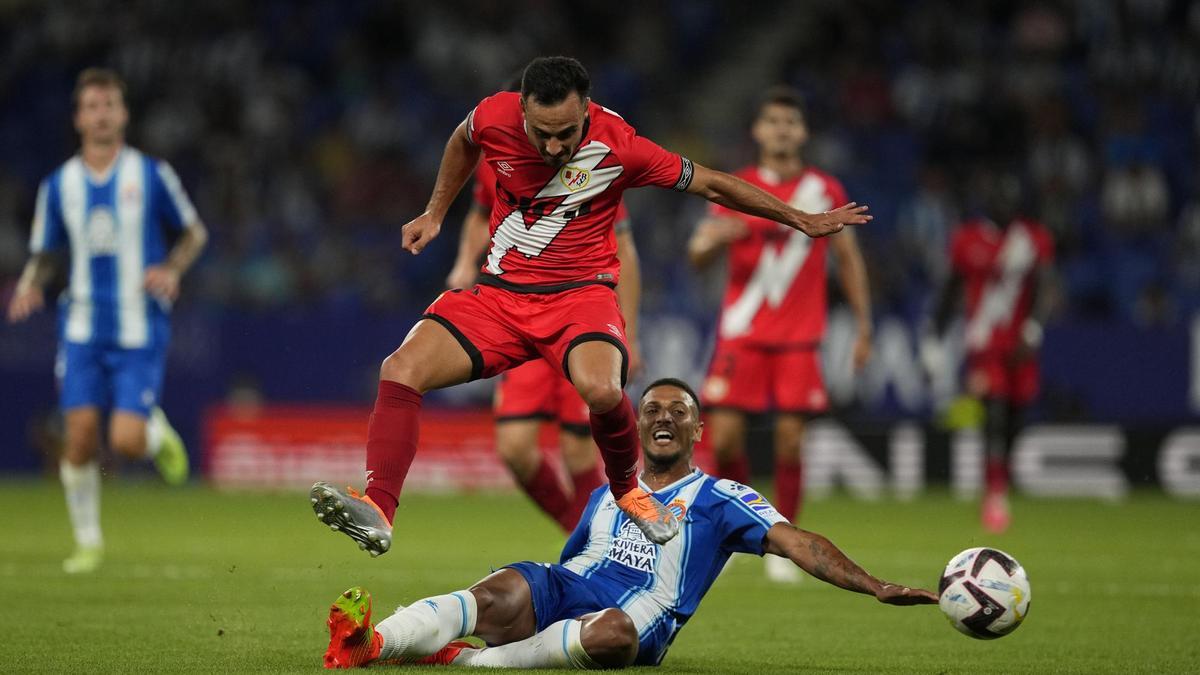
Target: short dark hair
{"points": [[97, 77], [780, 95], [550, 79], [671, 382]]}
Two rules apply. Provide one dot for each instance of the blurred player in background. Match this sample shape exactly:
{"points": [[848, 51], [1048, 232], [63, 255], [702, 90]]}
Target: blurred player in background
{"points": [[561, 163], [767, 357], [535, 391], [1000, 264], [115, 210], [581, 612]]}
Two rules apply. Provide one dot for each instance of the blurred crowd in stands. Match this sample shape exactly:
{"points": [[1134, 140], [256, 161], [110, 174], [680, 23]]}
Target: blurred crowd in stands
{"points": [[308, 132]]}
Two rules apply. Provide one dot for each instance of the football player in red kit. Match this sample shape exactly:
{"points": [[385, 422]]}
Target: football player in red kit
{"points": [[561, 163], [767, 357], [1000, 264], [536, 392]]}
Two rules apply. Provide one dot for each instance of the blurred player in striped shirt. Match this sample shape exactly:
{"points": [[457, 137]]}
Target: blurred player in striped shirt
{"points": [[115, 210]]}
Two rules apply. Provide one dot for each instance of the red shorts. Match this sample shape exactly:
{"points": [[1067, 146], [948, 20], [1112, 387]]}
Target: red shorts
{"points": [[501, 329], [758, 379], [994, 375], [537, 390]]}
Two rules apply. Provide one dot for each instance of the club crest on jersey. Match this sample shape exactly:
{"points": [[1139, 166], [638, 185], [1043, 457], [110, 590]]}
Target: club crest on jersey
{"points": [[574, 178], [678, 508]]}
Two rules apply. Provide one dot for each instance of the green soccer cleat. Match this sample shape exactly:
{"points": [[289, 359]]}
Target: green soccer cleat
{"points": [[354, 515], [172, 459], [353, 642], [85, 560]]}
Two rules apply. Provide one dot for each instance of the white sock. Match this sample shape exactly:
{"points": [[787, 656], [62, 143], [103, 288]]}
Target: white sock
{"points": [[155, 422], [427, 625], [559, 646], [82, 487]]}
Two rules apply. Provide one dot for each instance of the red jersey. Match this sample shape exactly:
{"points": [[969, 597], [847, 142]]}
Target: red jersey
{"points": [[553, 226], [998, 267], [483, 193], [776, 291]]}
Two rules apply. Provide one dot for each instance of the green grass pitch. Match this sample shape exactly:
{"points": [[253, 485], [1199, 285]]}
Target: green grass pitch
{"points": [[202, 581]]}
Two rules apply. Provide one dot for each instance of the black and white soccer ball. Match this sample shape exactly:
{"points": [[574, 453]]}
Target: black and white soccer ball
{"points": [[984, 592]]}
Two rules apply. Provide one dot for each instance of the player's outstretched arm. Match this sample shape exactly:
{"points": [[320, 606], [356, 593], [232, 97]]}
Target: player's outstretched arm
{"points": [[458, 161], [818, 556], [734, 193], [28, 296]]}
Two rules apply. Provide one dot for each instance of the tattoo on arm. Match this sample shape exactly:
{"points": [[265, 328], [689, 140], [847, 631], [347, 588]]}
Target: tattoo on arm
{"points": [[826, 562]]}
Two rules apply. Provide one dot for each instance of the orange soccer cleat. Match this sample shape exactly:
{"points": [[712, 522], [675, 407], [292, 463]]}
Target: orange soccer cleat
{"points": [[354, 515], [652, 518], [353, 641]]}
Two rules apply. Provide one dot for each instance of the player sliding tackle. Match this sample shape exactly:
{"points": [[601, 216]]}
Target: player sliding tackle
{"points": [[546, 289], [579, 613]]}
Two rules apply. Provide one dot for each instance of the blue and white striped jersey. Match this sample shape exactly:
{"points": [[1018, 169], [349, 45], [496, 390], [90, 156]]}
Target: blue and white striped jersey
{"points": [[664, 583], [116, 225]]}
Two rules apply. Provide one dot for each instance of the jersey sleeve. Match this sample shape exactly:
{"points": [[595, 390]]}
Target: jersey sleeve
{"points": [[48, 232], [650, 164], [174, 207], [745, 517], [485, 114], [579, 537]]}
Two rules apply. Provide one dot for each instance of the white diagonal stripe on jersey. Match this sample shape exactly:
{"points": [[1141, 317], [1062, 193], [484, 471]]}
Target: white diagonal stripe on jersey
{"points": [[72, 202], [777, 268], [532, 240], [37, 236], [600, 537], [132, 325], [999, 299]]}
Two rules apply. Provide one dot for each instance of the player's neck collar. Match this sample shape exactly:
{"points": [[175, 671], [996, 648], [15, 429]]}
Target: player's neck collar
{"points": [[691, 475], [102, 176]]}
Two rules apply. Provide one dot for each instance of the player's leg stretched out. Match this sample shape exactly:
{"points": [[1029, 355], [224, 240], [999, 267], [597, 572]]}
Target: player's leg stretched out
{"points": [[498, 610]]}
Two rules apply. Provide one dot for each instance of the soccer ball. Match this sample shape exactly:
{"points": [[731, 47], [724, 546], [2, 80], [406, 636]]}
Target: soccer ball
{"points": [[984, 592]]}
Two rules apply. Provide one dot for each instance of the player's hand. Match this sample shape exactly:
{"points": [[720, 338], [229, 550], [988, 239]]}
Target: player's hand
{"points": [[822, 224], [894, 594], [24, 302], [462, 276], [862, 350], [418, 232], [162, 281]]}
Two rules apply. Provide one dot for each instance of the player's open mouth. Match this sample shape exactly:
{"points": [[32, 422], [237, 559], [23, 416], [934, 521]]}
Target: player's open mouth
{"points": [[663, 437]]}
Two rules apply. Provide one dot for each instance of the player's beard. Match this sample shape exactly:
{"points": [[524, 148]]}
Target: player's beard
{"points": [[659, 463]]}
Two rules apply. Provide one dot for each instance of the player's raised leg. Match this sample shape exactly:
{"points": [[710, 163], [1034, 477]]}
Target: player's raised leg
{"points": [[79, 470], [429, 358], [594, 367]]}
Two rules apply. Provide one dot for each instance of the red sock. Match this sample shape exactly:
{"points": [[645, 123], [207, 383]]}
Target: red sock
{"points": [[735, 468], [547, 492], [585, 483], [615, 433], [995, 475], [391, 443], [789, 487]]}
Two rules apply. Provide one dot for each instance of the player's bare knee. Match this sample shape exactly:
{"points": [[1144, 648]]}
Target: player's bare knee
{"points": [[601, 396], [129, 445], [402, 368], [610, 638]]}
